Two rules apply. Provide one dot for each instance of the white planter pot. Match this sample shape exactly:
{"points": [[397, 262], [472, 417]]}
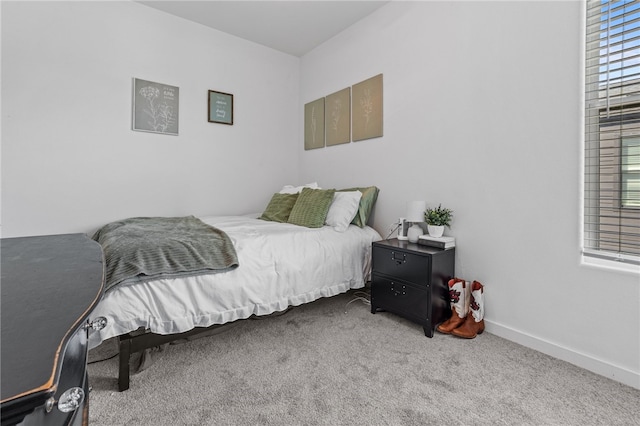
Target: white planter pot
{"points": [[435, 231]]}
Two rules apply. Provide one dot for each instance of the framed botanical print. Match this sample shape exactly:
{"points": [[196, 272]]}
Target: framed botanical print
{"points": [[314, 124], [155, 107], [338, 117], [366, 109]]}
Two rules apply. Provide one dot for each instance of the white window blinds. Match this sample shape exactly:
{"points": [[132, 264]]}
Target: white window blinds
{"points": [[612, 133]]}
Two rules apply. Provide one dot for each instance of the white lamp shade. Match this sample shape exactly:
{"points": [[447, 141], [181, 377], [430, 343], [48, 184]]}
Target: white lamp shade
{"points": [[415, 211]]}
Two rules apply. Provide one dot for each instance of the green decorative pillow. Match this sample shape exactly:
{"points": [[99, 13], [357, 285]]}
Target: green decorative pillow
{"points": [[368, 200], [311, 207], [279, 207]]}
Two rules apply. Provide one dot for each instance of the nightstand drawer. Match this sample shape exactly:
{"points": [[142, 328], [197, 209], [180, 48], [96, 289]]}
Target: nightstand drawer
{"points": [[399, 297], [402, 265]]}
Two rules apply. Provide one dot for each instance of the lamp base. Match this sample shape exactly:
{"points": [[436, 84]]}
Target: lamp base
{"points": [[414, 232]]}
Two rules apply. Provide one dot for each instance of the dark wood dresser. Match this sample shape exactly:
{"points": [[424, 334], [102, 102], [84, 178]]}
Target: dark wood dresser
{"points": [[49, 286], [411, 280]]}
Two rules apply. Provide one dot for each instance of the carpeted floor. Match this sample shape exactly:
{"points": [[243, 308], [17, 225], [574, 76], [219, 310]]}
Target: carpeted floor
{"points": [[317, 365]]}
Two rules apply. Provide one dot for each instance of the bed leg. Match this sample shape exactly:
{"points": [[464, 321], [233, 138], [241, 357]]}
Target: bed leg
{"points": [[123, 373]]}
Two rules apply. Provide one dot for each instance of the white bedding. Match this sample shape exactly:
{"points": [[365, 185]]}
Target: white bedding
{"points": [[281, 265]]}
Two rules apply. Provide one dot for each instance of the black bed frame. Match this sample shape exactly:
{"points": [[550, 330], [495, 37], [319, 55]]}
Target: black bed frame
{"points": [[142, 339]]}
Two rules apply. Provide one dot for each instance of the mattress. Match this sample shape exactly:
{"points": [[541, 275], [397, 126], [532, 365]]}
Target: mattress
{"points": [[280, 265]]}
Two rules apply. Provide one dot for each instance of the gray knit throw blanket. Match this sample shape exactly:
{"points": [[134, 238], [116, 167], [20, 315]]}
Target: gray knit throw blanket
{"points": [[148, 248]]}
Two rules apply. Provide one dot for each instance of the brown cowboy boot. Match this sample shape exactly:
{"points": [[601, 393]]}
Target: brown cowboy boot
{"points": [[459, 297], [474, 324]]}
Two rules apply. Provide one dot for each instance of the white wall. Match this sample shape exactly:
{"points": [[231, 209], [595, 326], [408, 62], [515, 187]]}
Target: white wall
{"points": [[70, 161], [482, 113]]}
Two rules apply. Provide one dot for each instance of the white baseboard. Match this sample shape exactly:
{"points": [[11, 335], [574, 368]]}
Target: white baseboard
{"points": [[603, 368]]}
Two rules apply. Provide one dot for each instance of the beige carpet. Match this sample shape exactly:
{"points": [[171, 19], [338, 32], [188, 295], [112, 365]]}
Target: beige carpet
{"points": [[317, 365]]}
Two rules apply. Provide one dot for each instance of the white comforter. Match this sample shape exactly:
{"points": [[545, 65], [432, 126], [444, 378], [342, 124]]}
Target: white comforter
{"points": [[281, 265]]}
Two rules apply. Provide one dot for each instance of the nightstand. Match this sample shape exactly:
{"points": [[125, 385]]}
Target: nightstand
{"points": [[410, 280]]}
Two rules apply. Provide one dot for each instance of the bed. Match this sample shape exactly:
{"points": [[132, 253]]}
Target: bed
{"points": [[279, 264]]}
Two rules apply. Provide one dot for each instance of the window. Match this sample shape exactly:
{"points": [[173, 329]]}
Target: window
{"points": [[612, 131], [630, 173]]}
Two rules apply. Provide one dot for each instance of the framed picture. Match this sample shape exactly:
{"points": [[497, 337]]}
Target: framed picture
{"points": [[314, 124], [338, 117], [220, 107], [366, 109], [155, 107]]}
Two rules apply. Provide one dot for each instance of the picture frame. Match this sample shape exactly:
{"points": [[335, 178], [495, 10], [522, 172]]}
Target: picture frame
{"points": [[220, 107], [366, 109], [155, 107], [314, 124], [338, 117]]}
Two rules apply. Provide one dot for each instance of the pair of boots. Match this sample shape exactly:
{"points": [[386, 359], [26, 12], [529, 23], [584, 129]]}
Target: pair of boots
{"points": [[467, 309]]}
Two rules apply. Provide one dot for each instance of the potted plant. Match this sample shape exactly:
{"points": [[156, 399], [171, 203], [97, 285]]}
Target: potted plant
{"points": [[437, 219]]}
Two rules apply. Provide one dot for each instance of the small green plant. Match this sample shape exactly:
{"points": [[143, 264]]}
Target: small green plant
{"points": [[439, 216]]}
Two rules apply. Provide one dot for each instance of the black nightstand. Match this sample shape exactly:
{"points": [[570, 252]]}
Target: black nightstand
{"points": [[410, 280]]}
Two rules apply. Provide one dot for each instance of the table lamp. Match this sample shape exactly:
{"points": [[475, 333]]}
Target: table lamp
{"points": [[415, 214]]}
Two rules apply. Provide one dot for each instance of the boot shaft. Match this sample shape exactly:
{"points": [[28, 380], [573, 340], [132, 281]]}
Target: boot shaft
{"points": [[459, 296], [476, 302]]}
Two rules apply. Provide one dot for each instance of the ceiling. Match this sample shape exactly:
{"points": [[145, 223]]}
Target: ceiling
{"points": [[293, 27]]}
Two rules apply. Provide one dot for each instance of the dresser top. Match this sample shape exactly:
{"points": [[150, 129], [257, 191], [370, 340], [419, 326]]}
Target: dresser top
{"points": [[408, 246]]}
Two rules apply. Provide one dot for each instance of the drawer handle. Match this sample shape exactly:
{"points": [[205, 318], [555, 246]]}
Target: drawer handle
{"points": [[400, 292], [396, 258]]}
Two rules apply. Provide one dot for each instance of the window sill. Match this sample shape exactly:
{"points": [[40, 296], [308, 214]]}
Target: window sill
{"points": [[611, 265]]}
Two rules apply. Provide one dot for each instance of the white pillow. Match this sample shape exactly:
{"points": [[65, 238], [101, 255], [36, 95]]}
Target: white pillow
{"points": [[343, 209], [290, 189]]}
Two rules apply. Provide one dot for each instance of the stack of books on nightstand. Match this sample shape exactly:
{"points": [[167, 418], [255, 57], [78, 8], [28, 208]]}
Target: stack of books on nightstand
{"points": [[439, 242]]}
